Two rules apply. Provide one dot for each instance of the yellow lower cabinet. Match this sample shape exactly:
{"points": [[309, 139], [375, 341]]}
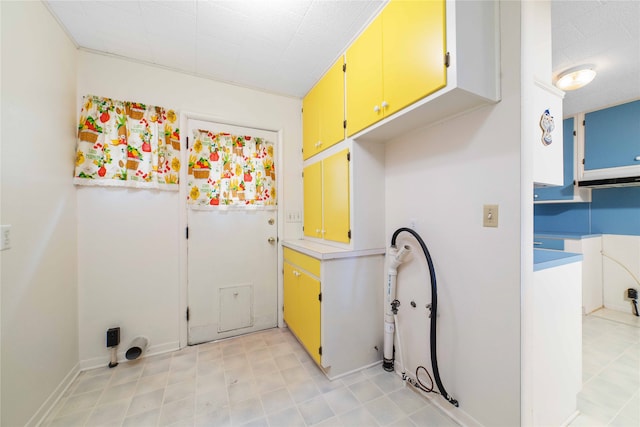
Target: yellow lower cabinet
{"points": [[334, 308], [302, 305], [309, 321]]}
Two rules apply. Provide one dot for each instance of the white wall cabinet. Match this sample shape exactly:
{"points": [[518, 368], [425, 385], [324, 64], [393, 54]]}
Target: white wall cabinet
{"points": [[568, 192], [546, 101]]}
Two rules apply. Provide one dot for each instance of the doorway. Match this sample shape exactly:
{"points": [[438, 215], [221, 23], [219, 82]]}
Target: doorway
{"points": [[232, 245]]}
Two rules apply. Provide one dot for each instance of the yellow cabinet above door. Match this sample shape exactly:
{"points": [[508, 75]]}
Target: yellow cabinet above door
{"points": [[323, 112]]}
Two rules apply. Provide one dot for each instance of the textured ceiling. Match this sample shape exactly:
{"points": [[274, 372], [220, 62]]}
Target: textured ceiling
{"points": [[605, 34], [284, 46], [281, 46]]}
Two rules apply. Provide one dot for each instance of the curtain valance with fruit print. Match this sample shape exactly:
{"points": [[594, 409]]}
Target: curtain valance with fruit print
{"points": [[230, 171], [127, 144]]}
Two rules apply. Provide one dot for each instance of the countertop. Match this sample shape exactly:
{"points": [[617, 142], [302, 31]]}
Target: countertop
{"points": [[560, 235], [548, 258], [326, 252]]}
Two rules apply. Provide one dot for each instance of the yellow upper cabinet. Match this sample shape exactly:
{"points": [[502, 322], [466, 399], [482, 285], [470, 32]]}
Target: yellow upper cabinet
{"points": [[323, 112], [414, 51], [397, 60], [312, 182], [364, 78], [335, 195], [326, 198]]}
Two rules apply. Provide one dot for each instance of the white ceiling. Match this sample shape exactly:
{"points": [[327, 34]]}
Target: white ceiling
{"points": [[285, 46], [603, 33], [280, 46]]}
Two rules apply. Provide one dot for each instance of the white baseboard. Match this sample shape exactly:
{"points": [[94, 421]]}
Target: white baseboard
{"points": [[457, 414], [98, 362], [53, 398]]}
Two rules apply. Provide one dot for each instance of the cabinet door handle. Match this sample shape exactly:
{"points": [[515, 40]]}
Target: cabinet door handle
{"points": [[296, 273], [535, 196], [637, 159], [324, 231], [537, 243], [384, 104], [376, 109], [317, 231]]}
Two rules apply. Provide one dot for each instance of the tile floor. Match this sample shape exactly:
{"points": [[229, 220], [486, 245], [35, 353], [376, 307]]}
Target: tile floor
{"points": [[610, 393], [266, 379], [262, 379]]}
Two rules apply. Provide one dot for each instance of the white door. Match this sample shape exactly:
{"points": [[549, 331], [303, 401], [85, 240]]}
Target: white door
{"points": [[232, 261]]}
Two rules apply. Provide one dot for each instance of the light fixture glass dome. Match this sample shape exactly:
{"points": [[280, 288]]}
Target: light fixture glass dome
{"points": [[575, 78]]}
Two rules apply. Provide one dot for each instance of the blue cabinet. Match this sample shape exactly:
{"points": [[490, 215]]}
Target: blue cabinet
{"points": [[612, 137], [565, 191], [547, 243]]}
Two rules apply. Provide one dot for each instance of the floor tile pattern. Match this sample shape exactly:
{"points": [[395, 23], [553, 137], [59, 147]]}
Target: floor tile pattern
{"points": [[267, 379], [263, 379], [610, 394]]}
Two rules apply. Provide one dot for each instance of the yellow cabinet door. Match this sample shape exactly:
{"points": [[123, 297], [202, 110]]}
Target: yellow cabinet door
{"points": [[413, 46], [311, 122], [291, 296], [332, 114], [335, 196], [309, 305], [312, 182], [302, 307], [323, 112], [364, 78]]}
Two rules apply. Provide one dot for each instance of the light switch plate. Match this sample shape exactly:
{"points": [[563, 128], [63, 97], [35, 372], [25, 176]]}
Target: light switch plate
{"points": [[293, 216], [490, 216], [5, 237]]}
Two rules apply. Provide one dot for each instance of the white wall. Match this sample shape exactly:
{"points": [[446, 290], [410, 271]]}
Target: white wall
{"points": [[440, 177], [39, 283], [129, 242], [616, 280]]}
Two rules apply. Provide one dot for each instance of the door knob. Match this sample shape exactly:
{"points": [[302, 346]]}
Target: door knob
{"points": [[271, 240]]}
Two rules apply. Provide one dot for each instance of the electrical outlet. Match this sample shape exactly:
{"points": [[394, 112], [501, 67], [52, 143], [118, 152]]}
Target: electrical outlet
{"points": [[5, 237], [490, 216]]}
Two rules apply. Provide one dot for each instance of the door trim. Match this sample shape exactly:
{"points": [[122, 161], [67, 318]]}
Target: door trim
{"points": [[185, 116]]}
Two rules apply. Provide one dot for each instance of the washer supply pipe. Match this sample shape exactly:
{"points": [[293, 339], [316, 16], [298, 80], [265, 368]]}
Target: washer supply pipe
{"points": [[397, 257], [434, 306]]}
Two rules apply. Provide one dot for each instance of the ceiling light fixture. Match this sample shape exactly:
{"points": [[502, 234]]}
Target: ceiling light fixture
{"points": [[576, 77]]}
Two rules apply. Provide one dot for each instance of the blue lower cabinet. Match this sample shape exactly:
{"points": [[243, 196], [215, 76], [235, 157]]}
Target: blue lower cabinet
{"points": [[546, 243]]}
